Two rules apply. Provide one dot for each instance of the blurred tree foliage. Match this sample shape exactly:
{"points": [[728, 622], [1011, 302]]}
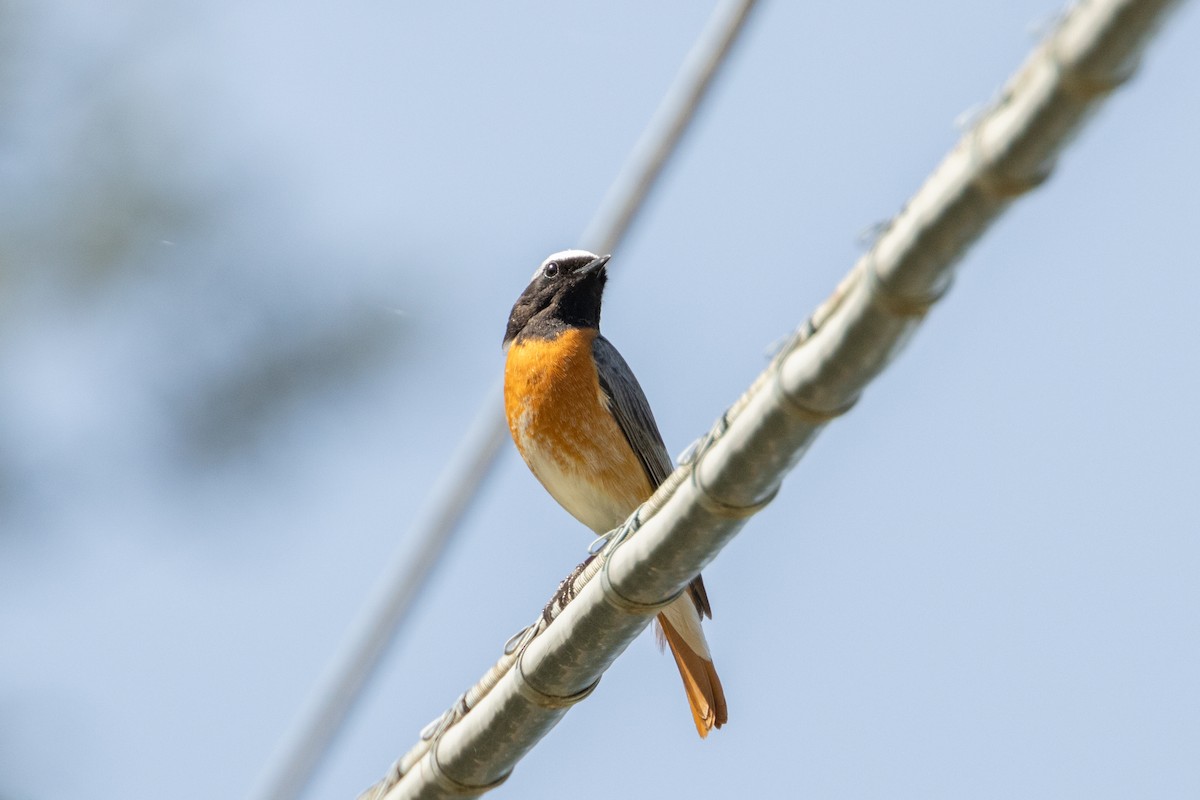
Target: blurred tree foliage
{"points": [[157, 306]]}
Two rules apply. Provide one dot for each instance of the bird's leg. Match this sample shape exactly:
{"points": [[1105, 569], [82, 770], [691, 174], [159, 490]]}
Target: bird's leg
{"points": [[565, 592]]}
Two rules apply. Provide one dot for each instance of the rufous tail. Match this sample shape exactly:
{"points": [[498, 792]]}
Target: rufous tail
{"points": [[700, 682]]}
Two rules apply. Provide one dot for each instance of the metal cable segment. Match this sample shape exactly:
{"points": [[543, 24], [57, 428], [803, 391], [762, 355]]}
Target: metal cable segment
{"points": [[821, 371]]}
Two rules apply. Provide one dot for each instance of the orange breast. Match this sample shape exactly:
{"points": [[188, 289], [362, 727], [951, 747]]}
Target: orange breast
{"points": [[561, 425]]}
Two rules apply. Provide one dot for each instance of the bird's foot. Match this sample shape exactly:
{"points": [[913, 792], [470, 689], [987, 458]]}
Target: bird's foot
{"points": [[565, 592]]}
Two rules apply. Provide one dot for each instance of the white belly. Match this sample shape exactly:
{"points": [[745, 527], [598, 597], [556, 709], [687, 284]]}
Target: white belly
{"points": [[599, 510]]}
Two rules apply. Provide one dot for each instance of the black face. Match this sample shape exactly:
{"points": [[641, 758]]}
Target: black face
{"points": [[565, 293]]}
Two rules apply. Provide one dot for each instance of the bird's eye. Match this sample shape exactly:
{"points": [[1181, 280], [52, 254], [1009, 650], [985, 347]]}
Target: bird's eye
{"points": [[550, 270]]}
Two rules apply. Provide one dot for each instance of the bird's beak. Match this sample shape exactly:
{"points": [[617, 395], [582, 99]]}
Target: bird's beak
{"points": [[594, 265]]}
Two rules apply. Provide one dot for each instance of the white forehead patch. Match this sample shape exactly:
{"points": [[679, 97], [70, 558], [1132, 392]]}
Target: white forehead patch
{"points": [[562, 255]]}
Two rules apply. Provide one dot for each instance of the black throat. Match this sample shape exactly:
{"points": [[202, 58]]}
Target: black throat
{"points": [[544, 311]]}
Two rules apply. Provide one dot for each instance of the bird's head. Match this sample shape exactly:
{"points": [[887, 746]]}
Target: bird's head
{"points": [[563, 293]]}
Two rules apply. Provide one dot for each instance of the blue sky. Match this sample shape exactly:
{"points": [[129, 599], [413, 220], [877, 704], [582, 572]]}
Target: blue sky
{"points": [[260, 256]]}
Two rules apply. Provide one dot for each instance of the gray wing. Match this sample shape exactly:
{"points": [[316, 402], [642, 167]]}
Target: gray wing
{"points": [[632, 412]]}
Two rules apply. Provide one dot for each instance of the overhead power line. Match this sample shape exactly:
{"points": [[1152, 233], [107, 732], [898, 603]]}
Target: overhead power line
{"points": [[737, 468], [305, 744]]}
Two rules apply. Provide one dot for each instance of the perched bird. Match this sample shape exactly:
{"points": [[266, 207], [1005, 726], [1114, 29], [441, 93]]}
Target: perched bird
{"points": [[582, 424]]}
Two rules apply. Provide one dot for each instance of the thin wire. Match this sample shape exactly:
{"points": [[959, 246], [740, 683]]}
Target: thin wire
{"points": [[291, 768], [659, 141]]}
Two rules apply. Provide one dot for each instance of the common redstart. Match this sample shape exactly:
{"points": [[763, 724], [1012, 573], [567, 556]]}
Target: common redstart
{"points": [[584, 427]]}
